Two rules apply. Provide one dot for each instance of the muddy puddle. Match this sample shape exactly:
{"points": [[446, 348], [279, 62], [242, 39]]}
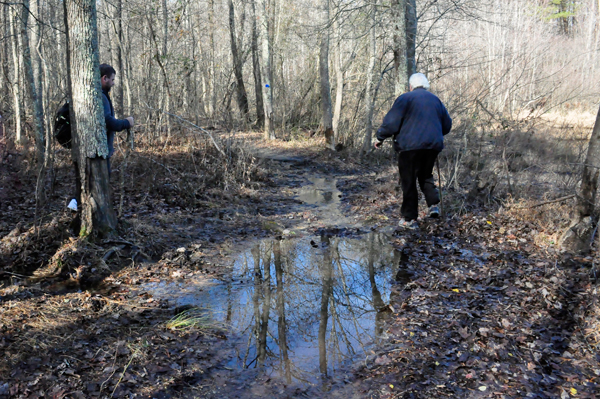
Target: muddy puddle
{"points": [[297, 309]]}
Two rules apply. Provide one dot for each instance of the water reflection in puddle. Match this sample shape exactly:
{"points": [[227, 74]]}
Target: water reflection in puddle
{"points": [[299, 308], [324, 196], [322, 191]]}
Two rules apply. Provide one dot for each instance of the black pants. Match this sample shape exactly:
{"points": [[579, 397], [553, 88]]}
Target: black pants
{"points": [[417, 165]]}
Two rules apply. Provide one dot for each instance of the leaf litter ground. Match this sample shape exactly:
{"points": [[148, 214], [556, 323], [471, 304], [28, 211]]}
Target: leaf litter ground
{"points": [[481, 303]]}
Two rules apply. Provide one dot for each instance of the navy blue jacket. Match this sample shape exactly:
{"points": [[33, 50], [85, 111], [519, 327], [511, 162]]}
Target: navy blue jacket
{"points": [[112, 124], [418, 121]]}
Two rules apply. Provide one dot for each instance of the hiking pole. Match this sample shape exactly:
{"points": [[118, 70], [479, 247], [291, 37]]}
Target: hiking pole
{"points": [[437, 162], [128, 149]]}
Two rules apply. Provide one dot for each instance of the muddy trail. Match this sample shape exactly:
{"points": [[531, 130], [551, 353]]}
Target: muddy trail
{"points": [[305, 290]]}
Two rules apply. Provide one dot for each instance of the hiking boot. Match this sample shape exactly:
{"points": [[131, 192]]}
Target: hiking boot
{"points": [[408, 224], [434, 211]]}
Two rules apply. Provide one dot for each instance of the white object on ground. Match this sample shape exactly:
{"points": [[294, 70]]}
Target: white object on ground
{"points": [[73, 205]]}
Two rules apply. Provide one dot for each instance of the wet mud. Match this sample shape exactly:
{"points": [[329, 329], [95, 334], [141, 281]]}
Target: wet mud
{"points": [[308, 290], [298, 310]]}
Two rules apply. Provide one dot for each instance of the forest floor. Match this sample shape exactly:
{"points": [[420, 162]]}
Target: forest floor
{"points": [[477, 304]]}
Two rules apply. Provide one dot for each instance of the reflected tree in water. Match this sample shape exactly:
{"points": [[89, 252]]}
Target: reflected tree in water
{"points": [[321, 301], [326, 291], [281, 322]]}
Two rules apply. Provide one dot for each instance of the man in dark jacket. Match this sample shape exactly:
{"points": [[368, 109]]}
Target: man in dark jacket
{"points": [[107, 79], [418, 122]]}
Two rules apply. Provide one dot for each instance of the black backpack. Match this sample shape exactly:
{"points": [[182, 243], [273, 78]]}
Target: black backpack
{"points": [[62, 126]]}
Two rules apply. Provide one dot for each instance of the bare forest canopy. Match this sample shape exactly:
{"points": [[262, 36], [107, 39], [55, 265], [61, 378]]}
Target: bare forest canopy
{"points": [[488, 60]]}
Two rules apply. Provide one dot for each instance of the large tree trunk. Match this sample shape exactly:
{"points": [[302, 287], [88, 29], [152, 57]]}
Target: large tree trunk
{"points": [[242, 97], [37, 60], [578, 238], [267, 73], [369, 104], [339, 84], [38, 85], [411, 37], [326, 114], [165, 21], [4, 80], [399, 46], [87, 116], [16, 88], [164, 67], [260, 110], [212, 94], [119, 56], [34, 95]]}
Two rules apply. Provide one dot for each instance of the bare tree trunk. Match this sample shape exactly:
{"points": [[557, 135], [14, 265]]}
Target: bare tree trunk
{"points": [[369, 104], [399, 39], [36, 58], [339, 83], [326, 114], [87, 116], [165, 20], [34, 95], [126, 77], [118, 20], [411, 37], [164, 62], [242, 97], [267, 73], [212, 95], [4, 79], [578, 238], [260, 110], [15, 84], [39, 85]]}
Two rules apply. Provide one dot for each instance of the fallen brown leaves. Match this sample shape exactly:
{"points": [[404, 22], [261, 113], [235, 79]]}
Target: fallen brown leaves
{"points": [[483, 305], [489, 314]]}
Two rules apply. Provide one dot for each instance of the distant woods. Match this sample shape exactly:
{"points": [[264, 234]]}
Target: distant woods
{"points": [[326, 66]]}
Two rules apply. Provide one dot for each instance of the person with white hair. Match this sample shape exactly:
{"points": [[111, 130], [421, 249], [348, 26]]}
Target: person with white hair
{"points": [[418, 122]]}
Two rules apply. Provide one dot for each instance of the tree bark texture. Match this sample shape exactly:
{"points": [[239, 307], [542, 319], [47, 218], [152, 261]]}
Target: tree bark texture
{"points": [[36, 57], [97, 214], [119, 56], [165, 21], [369, 89], [16, 88], [579, 236], [212, 95], [399, 46], [411, 37], [4, 80], [267, 72], [36, 106], [260, 110], [339, 86], [326, 114], [240, 88]]}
